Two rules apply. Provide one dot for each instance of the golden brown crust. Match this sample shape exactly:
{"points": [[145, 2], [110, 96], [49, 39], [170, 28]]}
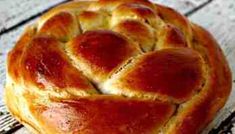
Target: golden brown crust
{"points": [[87, 19], [59, 69], [72, 6], [170, 37], [62, 26], [136, 12], [171, 16], [195, 114], [92, 115], [101, 52], [175, 74], [44, 64], [14, 56], [109, 5], [135, 31]]}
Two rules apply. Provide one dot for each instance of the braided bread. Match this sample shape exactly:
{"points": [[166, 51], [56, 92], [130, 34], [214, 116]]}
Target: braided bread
{"points": [[116, 67]]}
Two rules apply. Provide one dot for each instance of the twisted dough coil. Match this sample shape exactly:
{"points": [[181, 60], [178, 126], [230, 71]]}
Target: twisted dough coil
{"points": [[121, 66]]}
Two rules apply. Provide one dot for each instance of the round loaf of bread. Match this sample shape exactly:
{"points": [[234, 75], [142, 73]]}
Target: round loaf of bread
{"points": [[116, 67]]}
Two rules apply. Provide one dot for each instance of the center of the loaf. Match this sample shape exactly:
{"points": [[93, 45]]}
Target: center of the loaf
{"points": [[99, 53]]}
